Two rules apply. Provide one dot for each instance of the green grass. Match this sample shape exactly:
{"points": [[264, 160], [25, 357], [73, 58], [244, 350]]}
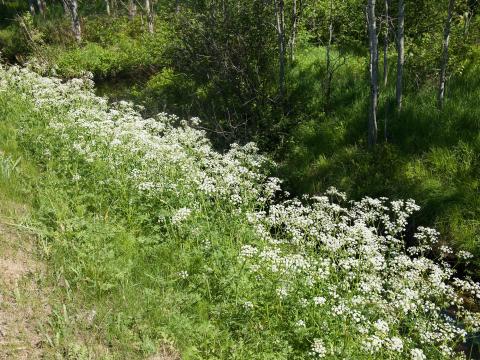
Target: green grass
{"points": [[114, 261], [431, 155]]}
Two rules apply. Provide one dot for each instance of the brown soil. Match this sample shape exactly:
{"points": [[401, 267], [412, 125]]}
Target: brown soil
{"points": [[23, 303]]}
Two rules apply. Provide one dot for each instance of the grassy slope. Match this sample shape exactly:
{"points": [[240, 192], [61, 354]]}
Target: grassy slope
{"points": [[118, 270], [119, 293], [41, 316]]}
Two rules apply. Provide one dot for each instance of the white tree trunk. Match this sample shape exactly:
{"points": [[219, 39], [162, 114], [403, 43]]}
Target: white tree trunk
{"points": [[107, 6], [132, 9], [114, 6], [373, 42], [294, 31], [385, 43], [66, 10], [401, 52], [444, 59], [385, 64], [77, 31], [40, 7], [280, 17], [328, 60], [148, 9], [31, 6]]}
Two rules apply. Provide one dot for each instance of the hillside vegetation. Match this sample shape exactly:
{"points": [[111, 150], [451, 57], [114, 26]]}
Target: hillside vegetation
{"points": [[187, 245], [215, 180], [428, 154]]}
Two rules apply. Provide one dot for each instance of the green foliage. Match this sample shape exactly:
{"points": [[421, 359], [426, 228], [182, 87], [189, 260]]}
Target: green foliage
{"points": [[109, 54], [348, 31], [11, 44], [218, 60], [431, 156], [228, 50]]}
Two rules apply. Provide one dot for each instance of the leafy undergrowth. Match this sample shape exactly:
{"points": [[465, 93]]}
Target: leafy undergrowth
{"points": [[431, 155], [165, 241]]}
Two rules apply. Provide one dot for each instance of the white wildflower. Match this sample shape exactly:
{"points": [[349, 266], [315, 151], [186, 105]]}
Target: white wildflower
{"points": [[183, 274], [300, 323], [248, 251], [282, 292], [318, 348], [417, 354], [395, 344], [381, 326], [181, 215], [248, 305], [319, 300], [464, 255]]}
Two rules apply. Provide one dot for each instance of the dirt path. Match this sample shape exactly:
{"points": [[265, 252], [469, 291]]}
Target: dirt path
{"points": [[23, 301]]}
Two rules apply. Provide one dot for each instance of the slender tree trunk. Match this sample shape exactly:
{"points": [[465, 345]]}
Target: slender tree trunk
{"points": [[444, 59], [280, 15], [40, 7], [385, 65], [132, 9], [224, 10], [385, 43], [328, 60], [114, 7], [66, 11], [373, 41], [107, 6], [31, 5], [294, 31], [177, 6], [401, 52], [148, 9], [77, 31], [468, 19]]}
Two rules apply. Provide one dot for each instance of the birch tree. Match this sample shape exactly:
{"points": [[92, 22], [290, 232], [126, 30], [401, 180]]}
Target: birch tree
{"points": [[400, 52], [132, 9], [373, 69], [107, 7], [31, 6], [148, 9], [113, 7], [329, 70], [385, 62], [41, 7], [293, 38], [73, 7], [385, 43], [444, 58], [66, 10], [280, 19]]}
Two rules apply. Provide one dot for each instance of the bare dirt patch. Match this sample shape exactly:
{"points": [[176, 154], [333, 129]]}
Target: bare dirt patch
{"points": [[23, 302]]}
